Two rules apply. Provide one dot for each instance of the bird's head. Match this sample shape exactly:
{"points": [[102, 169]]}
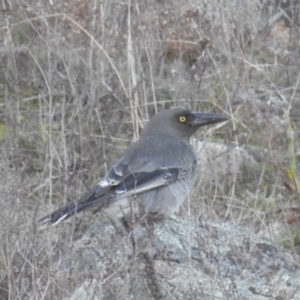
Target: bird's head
{"points": [[180, 123]]}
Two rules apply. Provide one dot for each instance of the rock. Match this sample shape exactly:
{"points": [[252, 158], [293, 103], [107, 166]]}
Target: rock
{"points": [[193, 260], [216, 160]]}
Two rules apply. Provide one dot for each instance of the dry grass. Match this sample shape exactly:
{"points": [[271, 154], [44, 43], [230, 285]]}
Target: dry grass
{"points": [[77, 84]]}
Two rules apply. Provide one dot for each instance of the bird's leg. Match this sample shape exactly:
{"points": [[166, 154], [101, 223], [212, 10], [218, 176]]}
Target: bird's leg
{"points": [[119, 225]]}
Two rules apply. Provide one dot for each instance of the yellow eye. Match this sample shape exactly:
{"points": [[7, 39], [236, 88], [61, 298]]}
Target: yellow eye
{"points": [[182, 119]]}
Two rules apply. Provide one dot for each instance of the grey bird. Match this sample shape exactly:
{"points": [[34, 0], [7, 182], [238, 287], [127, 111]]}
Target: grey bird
{"points": [[157, 172]]}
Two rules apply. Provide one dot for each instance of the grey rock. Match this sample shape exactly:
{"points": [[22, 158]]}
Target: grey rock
{"points": [[217, 159], [193, 260]]}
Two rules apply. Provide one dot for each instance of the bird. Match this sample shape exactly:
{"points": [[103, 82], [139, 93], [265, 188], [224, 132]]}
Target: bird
{"points": [[158, 170]]}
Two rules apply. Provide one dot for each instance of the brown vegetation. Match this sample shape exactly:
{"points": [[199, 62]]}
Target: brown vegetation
{"points": [[78, 79]]}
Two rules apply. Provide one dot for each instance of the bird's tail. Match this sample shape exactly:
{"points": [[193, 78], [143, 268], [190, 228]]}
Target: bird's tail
{"points": [[65, 212], [91, 198]]}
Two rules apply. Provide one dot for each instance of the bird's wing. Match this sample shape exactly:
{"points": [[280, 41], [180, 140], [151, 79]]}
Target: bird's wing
{"points": [[139, 176], [120, 182]]}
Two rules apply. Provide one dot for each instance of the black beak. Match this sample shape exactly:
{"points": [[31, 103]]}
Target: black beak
{"points": [[202, 119]]}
